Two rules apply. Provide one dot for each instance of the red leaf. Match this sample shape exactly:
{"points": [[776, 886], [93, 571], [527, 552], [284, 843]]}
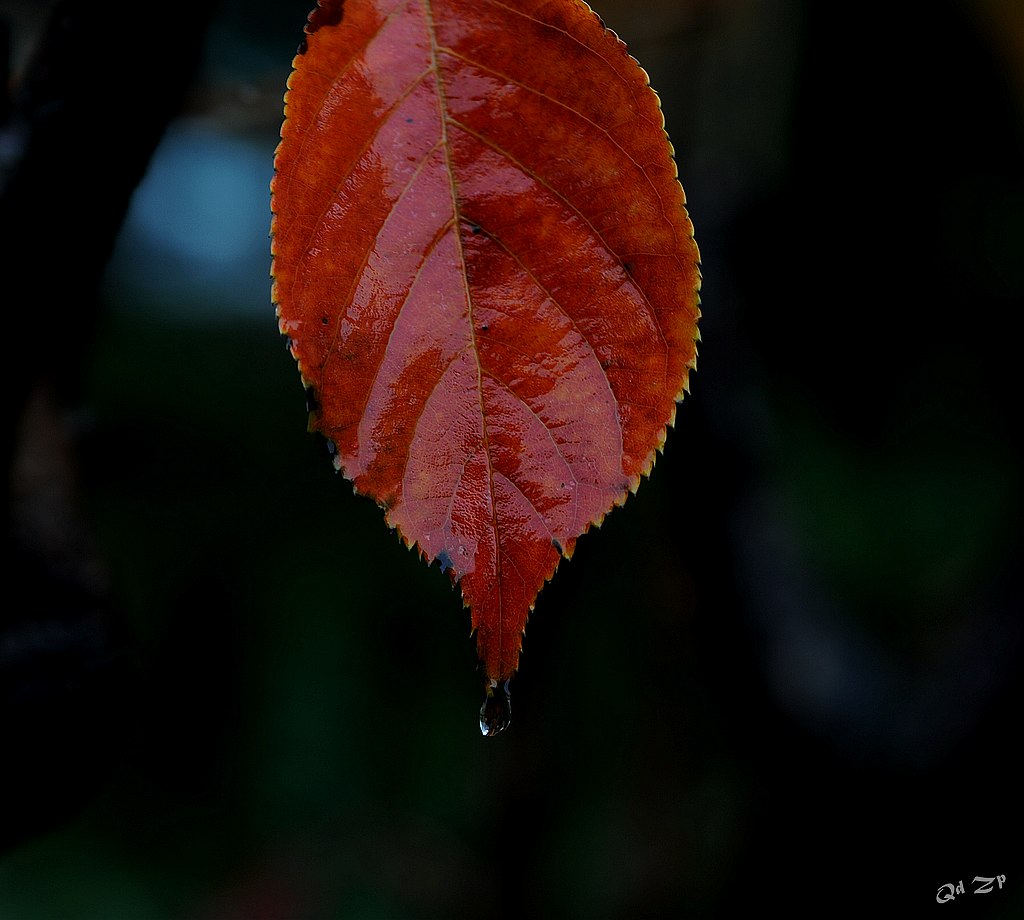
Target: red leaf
{"points": [[485, 268]]}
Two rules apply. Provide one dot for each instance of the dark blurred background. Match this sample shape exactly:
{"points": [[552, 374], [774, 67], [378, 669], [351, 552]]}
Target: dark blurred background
{"points": [[786, 675]]}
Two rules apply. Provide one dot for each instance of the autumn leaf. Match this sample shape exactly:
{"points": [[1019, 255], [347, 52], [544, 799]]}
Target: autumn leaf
{"points": [[484, 267]]}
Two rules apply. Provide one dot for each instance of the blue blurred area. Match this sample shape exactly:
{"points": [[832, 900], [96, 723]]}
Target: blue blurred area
{"points": [[195, 242]]}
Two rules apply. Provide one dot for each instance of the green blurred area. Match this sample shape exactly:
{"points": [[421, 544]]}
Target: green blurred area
{"points": [[787, 672]]}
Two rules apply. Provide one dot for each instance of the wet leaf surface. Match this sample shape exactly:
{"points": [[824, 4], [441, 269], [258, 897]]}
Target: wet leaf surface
{"points": [[487, 275]]}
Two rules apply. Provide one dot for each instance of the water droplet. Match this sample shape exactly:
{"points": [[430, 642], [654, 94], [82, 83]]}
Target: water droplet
{"points": [[496, 712]]}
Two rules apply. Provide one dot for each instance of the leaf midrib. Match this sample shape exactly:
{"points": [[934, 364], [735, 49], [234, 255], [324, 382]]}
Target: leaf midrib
{"points": [[456, 225]]}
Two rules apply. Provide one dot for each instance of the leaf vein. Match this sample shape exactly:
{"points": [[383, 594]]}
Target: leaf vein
{"points": [[547, 293], [522, 167], [335, 79], [547, 25], [554, 443], [601, 128], [427, 254], [443, 112]]}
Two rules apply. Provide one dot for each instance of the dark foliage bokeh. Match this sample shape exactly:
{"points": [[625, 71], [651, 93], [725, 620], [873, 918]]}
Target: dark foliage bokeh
{"points": [[786, 674]]}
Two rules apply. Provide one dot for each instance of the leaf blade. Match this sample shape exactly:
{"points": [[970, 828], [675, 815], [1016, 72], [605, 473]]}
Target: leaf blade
{"points": [[483, 313]]}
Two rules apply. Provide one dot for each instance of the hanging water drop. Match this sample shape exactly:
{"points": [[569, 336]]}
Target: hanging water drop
{"points": [[496, 712]]}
